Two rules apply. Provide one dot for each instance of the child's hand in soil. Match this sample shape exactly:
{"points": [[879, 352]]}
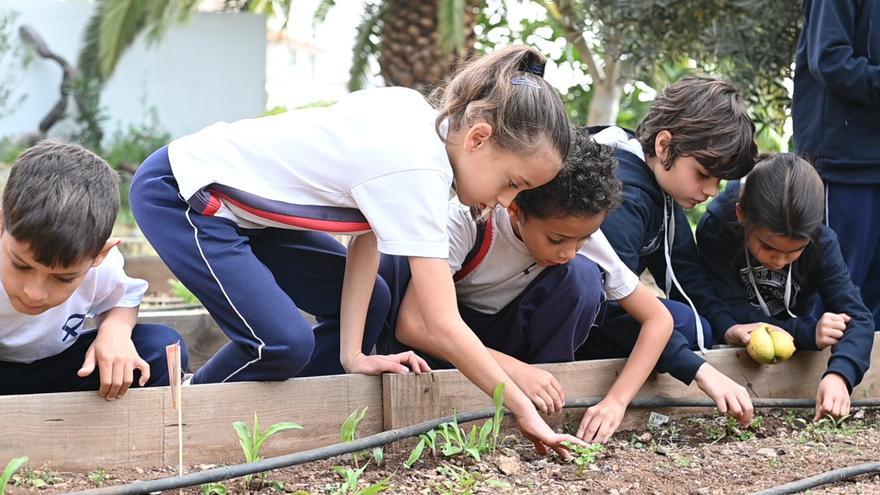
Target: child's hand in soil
{"points": [[730, 397], [601, 420], [543, 437], [830, 328], [540, 386], [832, 397]]}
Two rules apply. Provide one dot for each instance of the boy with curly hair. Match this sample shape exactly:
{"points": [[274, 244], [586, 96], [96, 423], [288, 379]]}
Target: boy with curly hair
{"points": [[531, 280]]}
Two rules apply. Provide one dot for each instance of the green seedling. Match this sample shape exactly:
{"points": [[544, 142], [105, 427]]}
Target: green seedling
{"points": [[426, 440], [456, 441], [352, 477], [252, 443], [98, 477], [463, 482], [584, 456], [214, 489], [348, 433], [684, 461], [720, 428], [11, 467], [38, 479]]}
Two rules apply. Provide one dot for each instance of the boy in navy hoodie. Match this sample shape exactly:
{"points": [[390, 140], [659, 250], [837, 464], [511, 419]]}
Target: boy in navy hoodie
{"points": [[770, 258], [696, 133], [836, 114]]}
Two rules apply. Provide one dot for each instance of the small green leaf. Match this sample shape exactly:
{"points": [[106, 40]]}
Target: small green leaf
{"points": [[349, 427], [416, 454], [11, 467]]}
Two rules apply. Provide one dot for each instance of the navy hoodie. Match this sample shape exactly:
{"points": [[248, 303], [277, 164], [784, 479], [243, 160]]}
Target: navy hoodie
{"points": [[635, 230], [819, 272], [836, 100]]}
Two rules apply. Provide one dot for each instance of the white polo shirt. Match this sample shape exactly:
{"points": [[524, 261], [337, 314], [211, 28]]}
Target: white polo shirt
{"points": [[507, 267], [372, 161], [26, 338]]}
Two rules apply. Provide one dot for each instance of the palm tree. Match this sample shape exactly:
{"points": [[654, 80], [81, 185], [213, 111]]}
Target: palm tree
{"points": [[418, 43]]}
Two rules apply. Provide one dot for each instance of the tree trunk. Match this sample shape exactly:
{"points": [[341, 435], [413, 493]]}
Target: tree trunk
{"points": [[605, 104]]}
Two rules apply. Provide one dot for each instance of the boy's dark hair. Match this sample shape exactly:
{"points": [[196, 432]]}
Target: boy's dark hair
{"points": [[586, 186], [506, 89], [785, 194], [61, 200], [708, 121]]}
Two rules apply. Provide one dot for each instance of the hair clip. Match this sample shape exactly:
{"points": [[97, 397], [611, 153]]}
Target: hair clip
{"points": [[522, 81], [536, 69]]}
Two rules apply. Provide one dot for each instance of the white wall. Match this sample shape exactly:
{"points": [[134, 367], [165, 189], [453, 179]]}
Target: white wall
{"points": [[210, 69]]}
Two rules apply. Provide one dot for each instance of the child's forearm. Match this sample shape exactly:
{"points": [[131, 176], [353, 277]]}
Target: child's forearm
{"points": [[361, 267], [448, 337], [641, 362], [654, 335], [120, 321], [508, 363]]}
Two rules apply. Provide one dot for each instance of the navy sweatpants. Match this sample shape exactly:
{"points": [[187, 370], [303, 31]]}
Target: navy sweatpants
{"points": [[544, 324], [616, 336], [253, 283], [58, 373], [854, 215]]}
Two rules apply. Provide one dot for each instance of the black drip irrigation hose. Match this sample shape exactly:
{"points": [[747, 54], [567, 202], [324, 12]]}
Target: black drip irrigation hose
{"points": [[822, 479], [391, 436]]}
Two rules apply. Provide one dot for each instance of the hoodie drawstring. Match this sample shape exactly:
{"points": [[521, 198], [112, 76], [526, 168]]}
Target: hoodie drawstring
{"points": [[761, 302], [668, 238]]}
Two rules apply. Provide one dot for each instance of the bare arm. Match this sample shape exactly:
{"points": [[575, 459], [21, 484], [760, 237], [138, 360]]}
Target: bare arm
{"points": [[361, 267], [601, 420], [446, 334]]}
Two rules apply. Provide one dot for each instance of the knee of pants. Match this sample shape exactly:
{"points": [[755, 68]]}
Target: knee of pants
{"points": [[581, 279], [291, 349], [150, 340]]}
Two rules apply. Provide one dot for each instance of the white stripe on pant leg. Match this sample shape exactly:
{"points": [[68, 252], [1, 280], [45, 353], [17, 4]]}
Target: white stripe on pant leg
{"points": [[202, 253]]}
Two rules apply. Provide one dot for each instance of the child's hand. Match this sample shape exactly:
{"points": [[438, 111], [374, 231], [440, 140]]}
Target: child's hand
{"points": [[535, 429], [832, 397], [377, 364], [830, 328], [540, 386], [601, 420], [740, 334], [730, 397], [116, 359]]}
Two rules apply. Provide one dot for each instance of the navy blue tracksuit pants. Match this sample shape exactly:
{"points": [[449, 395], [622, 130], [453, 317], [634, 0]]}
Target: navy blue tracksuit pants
{"points": [[58, 373], [616, 336], [544, 324], [854, 215], [253, 283]]}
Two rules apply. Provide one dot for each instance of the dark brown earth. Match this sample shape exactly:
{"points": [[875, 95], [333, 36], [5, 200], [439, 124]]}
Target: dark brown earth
{"points": [[699, 455]]}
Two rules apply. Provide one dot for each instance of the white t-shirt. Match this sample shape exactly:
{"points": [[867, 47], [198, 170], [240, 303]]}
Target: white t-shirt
{"points": [[507, 267], [372, 161], [26, 338]]}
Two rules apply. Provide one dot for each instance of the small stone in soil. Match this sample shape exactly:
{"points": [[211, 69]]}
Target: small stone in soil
{"points": [[662, 450], [767, 452]]}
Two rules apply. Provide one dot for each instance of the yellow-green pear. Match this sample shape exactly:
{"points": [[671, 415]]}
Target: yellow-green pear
{"points": [[770, 346]]}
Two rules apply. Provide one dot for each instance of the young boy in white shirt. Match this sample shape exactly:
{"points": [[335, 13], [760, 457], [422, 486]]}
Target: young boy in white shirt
{"points": [[59, 268]]}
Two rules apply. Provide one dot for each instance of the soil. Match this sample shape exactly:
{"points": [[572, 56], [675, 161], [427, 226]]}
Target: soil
{"points": [[702, 455]]}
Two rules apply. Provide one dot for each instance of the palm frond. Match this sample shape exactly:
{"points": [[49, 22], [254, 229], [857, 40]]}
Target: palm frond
{"points": [[121, 22], [451, 25], [367, 45], [162, 14], [321, 11], [88, 61]]}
